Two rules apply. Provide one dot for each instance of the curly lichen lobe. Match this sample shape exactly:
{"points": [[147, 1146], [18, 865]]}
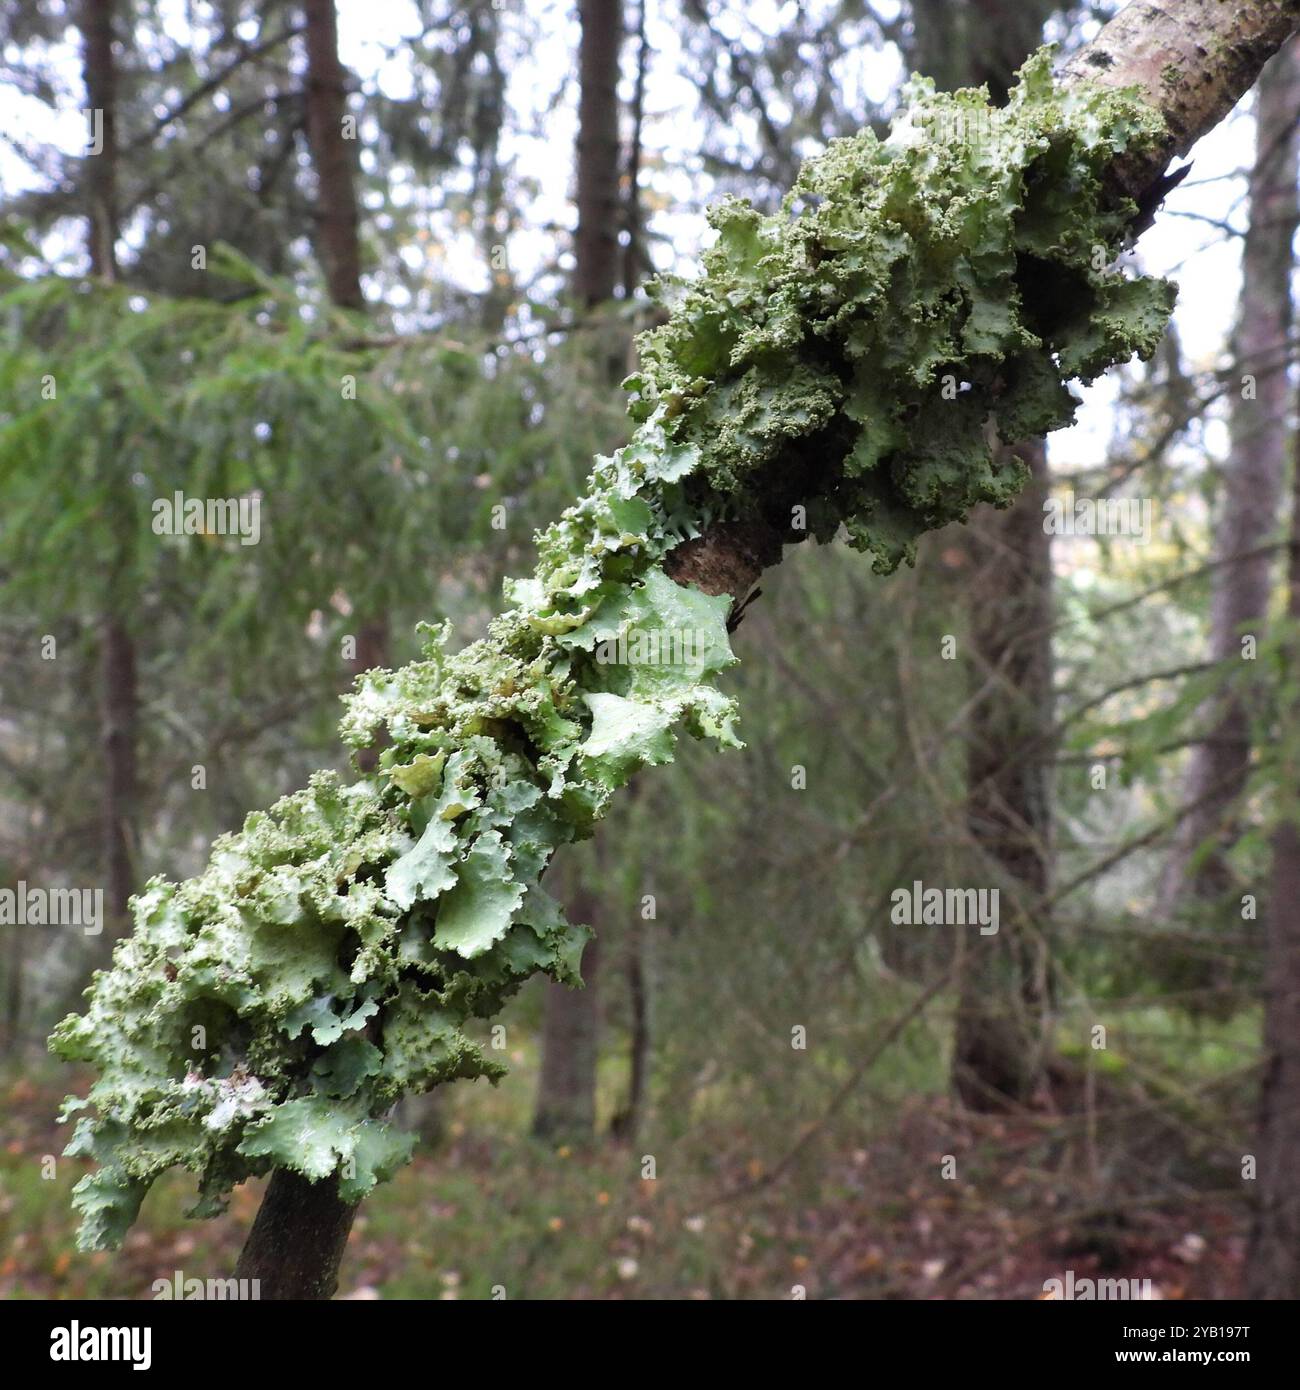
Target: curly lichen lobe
{"points": [[916, 301]]}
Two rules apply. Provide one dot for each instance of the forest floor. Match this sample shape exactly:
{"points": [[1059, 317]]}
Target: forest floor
{"points": [[1025, 1202]]}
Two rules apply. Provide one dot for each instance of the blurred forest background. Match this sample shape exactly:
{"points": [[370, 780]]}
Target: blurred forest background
{"points": [[380, 266]]}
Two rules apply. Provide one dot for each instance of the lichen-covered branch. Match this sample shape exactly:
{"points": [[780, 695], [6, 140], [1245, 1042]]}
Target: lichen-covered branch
{"points": [[848, 364], [1191, 61]]}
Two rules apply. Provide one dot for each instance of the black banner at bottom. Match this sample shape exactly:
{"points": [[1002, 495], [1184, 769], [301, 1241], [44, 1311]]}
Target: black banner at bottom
{"points": [[228, 1339]]}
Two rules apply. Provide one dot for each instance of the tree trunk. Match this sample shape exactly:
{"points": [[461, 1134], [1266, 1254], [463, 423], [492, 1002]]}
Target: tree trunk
{"points": [[1217, 772], [301, 1230], [336, 202], [119, 693], [1004, 996], [338, 244], [118, 722], [626, 1125], [973, 43], [1001, 1024], [635, 262], [15, 967], [1273, 1257], [297, 1242], [99, 73], [566, 1092], [599, 205]]}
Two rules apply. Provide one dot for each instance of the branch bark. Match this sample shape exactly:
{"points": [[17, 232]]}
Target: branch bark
{"points": [[1192, 61], [296, 1245]]}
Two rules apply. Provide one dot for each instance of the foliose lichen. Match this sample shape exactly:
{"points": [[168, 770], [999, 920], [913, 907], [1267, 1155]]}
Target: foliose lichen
{"points": [[858, 354]]}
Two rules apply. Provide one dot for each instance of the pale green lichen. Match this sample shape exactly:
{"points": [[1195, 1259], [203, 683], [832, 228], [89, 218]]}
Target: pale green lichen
{"points": [[860, 352]]}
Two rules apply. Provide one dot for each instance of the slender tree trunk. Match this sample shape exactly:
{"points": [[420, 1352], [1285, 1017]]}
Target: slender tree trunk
{"points": [[566, 1092], [599, 204], [626, 1125], [336, 201], [1003, 1006], [635, 262], [973, 43], [99, 74], [338, 243], [119, 718], [497, 219], [15, 968], [1217, 772], [1003, 1019], [297, 1241], [119, 693], [1003, 994], [1273, 1257]]}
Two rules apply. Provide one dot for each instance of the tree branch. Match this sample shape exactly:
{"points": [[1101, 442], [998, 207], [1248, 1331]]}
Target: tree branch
{"points": [[1193, 62]]}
